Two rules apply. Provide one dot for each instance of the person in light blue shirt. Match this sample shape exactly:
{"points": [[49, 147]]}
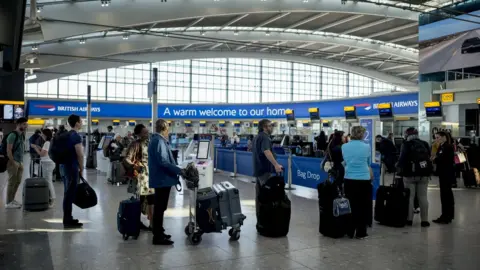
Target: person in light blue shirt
{"points": [[358, 175]]}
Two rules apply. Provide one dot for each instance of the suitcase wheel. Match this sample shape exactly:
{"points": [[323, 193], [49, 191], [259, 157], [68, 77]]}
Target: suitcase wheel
{"points": [[187, 230], [234, 234], [195, 238], [125, 237]]}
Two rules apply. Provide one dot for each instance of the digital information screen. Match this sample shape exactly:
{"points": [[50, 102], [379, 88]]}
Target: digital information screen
{"points": [[434, 112], [9, 112], [203, 149], [351, 115], [315, 115], [385, 113], [291, 117]]}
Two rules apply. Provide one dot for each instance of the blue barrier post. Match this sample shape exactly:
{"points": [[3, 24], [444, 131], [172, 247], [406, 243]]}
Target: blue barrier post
{"points": [[234, 174], [289, 173], [216, 159]]}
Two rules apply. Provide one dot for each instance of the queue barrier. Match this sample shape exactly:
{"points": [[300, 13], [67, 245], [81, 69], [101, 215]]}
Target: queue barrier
{"points": [[303, 171]]}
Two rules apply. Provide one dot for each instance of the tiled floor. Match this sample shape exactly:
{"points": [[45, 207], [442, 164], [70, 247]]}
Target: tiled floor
{"points": [[38, 241]]}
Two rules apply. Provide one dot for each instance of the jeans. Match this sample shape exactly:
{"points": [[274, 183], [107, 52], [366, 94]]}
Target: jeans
{"points": [[47, 172], [418, 188], [70, 176], [446, 194], [15, 172], [359, 193], [160, 206]]}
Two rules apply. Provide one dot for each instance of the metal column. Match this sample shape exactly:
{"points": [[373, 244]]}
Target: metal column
{"points": [[90, 159], [154, 97], [289, 174]]}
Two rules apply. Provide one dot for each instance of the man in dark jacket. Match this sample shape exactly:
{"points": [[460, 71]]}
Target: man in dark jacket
{"points": [[388, 150]]}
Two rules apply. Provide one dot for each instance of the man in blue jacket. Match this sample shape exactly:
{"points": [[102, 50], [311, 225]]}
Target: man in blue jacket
{"points": [[163, 174]]}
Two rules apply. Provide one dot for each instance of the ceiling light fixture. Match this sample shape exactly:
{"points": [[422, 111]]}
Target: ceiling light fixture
{"points": [[82, 41], [32, 61], [39, 9], [202, 33], [106, 3], [267, 33], [235, 33], [125, 37], [305, 1], [34, 47]]}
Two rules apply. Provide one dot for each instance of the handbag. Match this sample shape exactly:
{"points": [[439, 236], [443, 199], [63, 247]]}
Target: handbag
{"points": [[341, 205], [459, 158], [327, 163], [85, 196]]}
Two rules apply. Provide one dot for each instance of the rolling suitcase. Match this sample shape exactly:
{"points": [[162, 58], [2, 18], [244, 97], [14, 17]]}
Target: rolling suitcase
{"points": [[392, 203], [36, 195], [274, 211], [118, 173], [128, 218], [468, 175], [208, 212], [229, 204], [330, 226]]}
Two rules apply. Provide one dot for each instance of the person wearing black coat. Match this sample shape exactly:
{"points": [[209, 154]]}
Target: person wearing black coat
{"points": [[446, 175], [321, 141]]}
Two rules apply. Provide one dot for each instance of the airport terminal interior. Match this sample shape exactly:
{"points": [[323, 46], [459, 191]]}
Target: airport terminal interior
{"points": [[314, 76]]}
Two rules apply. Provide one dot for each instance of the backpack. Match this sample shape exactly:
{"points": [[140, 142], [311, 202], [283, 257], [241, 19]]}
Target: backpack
{"points": [[60, 150], [419, 163], [3, 151]]}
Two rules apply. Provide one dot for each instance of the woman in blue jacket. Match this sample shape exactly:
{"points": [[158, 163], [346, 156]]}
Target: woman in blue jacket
{"points": [[163, 174], [358, 175]]}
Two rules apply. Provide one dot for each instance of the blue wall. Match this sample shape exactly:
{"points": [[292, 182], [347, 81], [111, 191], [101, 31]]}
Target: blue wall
{"points": [[402, 104]]}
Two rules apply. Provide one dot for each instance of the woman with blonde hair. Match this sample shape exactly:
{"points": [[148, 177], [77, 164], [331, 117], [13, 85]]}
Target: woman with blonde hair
{"points": [[358, 175]]}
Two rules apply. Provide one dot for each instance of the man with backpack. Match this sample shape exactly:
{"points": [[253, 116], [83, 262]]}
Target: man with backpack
{"points": [[67, 150], [415, 166], [14, 147]]}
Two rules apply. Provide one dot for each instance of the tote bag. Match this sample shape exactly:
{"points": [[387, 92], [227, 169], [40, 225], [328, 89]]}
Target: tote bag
{"points": [[85, 197]]}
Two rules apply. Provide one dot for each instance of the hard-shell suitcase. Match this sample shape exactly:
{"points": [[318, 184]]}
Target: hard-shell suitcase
{"points": [[118, 173], [208, 212], [392, 204], [128, 218], [36, 195], [229, 204], [273, 219], [330, 226]]}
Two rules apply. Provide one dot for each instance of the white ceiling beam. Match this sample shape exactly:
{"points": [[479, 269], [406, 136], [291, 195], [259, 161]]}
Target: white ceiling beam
{"points": [[333, 24], [361, 27], [234, 20], [383, 63], [395, 67], [215, 46], [372, 63], [309, 19], [413, 76], [246, 45], [194, 23], [363, 57], [403, 38], [407, 73], [299, 47], [186, 47], [269, 21], [347, 52], [273, 46], [392, 30]]}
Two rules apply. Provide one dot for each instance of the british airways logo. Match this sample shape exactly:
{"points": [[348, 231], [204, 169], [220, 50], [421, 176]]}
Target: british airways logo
{"points": [[50, 108], [398, 104]]}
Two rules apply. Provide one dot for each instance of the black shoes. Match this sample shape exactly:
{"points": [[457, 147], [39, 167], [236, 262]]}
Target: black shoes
{"points": [[162, 242], [442, 220], [74, 223], [409, 223], [425, 224]]}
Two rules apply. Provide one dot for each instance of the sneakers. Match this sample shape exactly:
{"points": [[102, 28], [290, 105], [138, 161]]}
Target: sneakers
{"points": [[14, 205], [425, 224], [74, 223]]}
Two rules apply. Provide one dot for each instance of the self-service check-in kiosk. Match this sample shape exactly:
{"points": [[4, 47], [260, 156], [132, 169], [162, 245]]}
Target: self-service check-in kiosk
{"points": [[200, 152]]}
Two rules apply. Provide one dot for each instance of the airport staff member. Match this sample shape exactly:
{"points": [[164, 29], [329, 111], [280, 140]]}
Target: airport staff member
{"points": [[263, 158]]}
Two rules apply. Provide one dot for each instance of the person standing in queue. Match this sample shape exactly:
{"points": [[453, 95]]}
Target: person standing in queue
{"points": [[71, 170], [446, 174], [163, 174], [263, 157], [358, 175]]}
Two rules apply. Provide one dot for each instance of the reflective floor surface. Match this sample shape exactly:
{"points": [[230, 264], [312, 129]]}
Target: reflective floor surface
{"points": [[37, 240]]}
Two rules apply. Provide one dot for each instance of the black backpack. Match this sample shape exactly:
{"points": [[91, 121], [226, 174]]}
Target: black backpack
{"points": [[3, 150], [60, 150], [419, 163]]}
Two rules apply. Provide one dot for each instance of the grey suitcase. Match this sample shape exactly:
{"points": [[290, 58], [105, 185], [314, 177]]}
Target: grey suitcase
{"points": [[118, 173], [229, 202], [36, 195]]}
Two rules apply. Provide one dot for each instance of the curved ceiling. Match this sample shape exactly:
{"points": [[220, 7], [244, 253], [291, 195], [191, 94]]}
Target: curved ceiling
{"points": [[370, 38], [137, 58]]}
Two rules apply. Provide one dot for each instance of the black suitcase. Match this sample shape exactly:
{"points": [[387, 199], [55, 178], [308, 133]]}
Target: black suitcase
{"points": [[468, 176], [330, 226], [392, 203], [36, 194], [208, 211], [118, 174], [274, 208], [128, 218]]}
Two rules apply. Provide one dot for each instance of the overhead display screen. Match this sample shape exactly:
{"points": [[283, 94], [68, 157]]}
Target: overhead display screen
{"points": [[434, 111], [11, 112], [385, 113]]}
